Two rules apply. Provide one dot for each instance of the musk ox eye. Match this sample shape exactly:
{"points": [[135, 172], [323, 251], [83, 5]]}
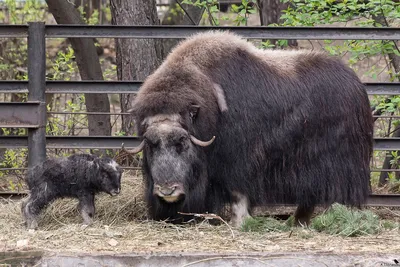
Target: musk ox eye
{"points": [[152, 144], [179, 147], [193, 111]]}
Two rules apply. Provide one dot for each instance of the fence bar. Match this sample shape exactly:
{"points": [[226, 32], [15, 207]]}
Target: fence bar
{"points": [[37, 85], [249, 32], [384, 200], [387, 144], [124, 87], [89, 113], [84, 142], [14, 87], [114, 142], [19, 115], [111, 87], [171, 31], [12, 31], [383, 88]]}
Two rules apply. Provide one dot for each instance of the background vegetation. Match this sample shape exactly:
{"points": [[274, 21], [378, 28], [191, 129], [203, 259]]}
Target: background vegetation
{"points": [[372, 60]]}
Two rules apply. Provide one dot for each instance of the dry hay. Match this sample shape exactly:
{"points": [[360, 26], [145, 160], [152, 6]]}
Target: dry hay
{"points": [[121, 226]]}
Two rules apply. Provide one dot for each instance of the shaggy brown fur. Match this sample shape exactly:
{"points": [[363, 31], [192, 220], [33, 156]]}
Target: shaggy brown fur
{"points": [[290, 126]]}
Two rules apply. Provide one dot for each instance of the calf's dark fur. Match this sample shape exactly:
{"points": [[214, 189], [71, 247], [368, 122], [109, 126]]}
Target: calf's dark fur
{"points": [[78, 176]]}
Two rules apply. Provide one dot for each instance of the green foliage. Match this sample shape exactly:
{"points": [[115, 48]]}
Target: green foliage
{"points": [[375, 13], [64, 66], [93, 19], [342, 221], [338, 220], [242, 11]]}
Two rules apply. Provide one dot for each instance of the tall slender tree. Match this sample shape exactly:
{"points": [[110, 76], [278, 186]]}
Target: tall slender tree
{"points": [[270, 13], [88, 63], [136, 58]]}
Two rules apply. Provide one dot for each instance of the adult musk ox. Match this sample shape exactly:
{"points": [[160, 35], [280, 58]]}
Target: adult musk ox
{"points": [[78, 176], [225, 122]]}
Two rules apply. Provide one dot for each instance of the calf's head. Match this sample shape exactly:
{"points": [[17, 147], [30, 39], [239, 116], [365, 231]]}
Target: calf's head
{"points": [[173, 156], [110, 176]]}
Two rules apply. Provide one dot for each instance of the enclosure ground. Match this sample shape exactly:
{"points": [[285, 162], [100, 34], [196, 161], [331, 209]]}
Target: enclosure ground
{"points": [[121, 228]]}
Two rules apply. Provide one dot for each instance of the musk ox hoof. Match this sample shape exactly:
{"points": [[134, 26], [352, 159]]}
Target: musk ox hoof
{"points": [[84, 226], [302, 216], [240, 209], [238, 222], [31, 224]]}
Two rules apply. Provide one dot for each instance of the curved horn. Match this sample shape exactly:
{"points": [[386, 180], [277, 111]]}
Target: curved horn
{"points": [[136, 149], [201, 143]]}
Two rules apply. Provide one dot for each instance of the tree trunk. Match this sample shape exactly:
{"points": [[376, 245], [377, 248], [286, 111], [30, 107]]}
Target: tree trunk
{"points": [[88, 63], [191, 15], [395, 62], [136, 58], [270, 12]]}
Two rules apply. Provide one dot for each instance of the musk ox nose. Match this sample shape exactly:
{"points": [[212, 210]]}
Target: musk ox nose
{"points": [[115, 192], [170, 193], [167, 190]]}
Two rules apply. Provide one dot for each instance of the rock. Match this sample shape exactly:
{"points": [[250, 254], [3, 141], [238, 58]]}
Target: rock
{"points": [[22, 243], [112, 242]]}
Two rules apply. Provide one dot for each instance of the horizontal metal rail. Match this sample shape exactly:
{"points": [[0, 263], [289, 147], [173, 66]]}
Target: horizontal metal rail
{"points": [[19, 114], [383, 200], [172, 32], [10, 31], [387, 144], [88, 113], [83, 142], [75, 87], [24, 169], [256, 32], [127, 87], [115, 142]]}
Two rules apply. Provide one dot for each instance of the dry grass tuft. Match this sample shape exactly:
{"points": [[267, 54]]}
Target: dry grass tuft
{"points": [[120, 226]]}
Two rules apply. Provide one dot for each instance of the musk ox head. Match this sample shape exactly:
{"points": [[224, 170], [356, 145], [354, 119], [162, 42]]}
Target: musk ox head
{"points": [[173, 156], [176, 112]]}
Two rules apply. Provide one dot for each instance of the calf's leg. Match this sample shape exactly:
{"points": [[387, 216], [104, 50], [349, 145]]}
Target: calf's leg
{"points": [[32, 207], [86, 208]]}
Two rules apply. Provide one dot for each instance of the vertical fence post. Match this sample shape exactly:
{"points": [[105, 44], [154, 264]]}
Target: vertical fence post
{"points": [[37, 86]]}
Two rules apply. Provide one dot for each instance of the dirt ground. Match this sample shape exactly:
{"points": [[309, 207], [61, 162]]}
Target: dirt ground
{"points": [[121, 226]]}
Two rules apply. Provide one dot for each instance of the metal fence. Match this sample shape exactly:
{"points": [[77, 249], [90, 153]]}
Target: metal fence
{"points": [[32, 114]]}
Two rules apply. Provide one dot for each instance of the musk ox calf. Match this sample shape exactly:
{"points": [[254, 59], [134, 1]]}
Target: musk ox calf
{"points": [[289, 127], [78, 176]]}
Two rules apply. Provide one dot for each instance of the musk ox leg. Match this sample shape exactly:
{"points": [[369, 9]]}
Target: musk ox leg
{"points": [[303, 215], [31, 209], [239, 209], [86, 208]]}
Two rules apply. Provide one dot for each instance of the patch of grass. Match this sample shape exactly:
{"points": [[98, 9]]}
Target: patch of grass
{"points": [[264, 224], [389, 225], [339, 220]]}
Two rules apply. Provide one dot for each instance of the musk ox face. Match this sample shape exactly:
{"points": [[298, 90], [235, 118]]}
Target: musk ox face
{"points": [[173, 156], [110, 176]]}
